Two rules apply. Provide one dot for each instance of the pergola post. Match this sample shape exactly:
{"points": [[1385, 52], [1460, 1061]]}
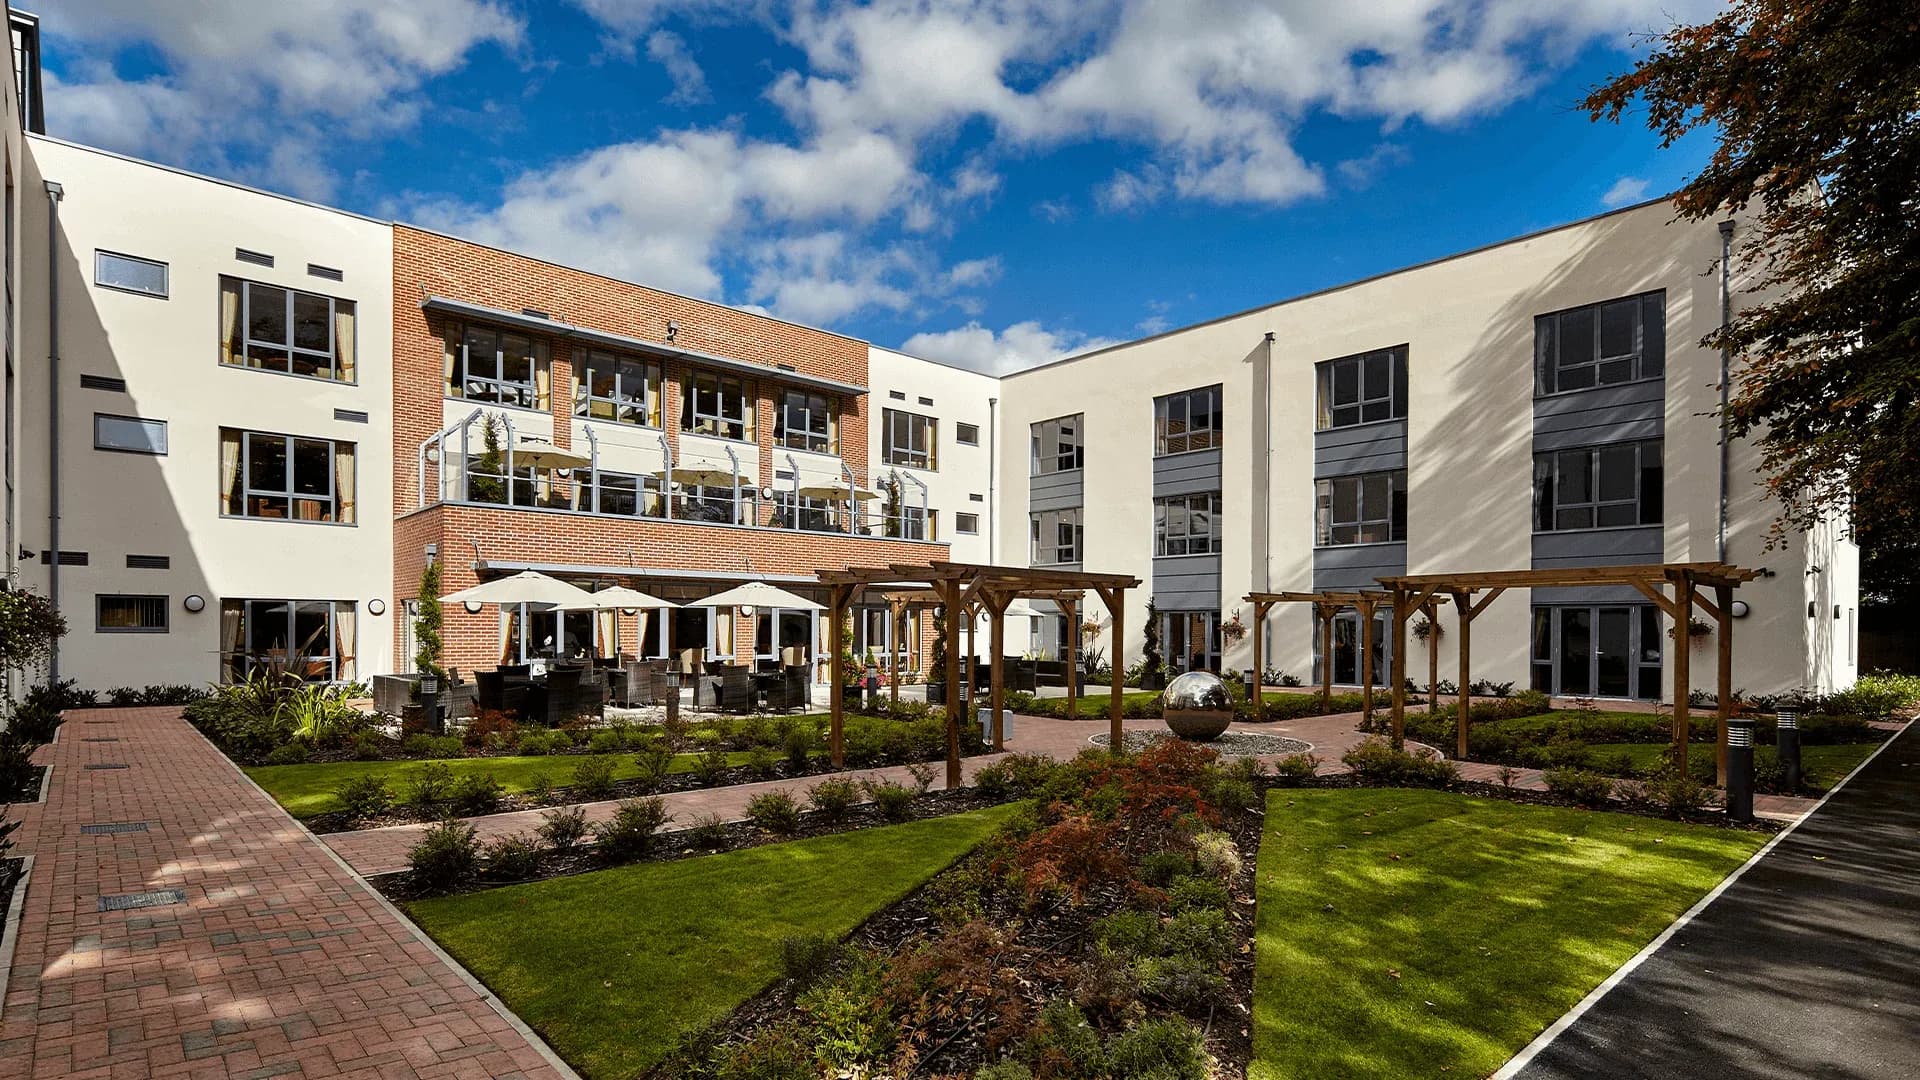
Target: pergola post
{"points": [[1463, 603], [996, 603], [1723, 615], [973, 644], [1399, 667], [1072, 604], [1324, 613], [897, 612], [1365, 609], [1683, 594], [1115, 598], [950, 626], [1259, 661], [1432, 612], [839, 598]]}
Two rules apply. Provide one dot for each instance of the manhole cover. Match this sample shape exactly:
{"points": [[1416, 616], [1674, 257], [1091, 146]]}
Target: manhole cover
{"points": [[111, 765], [126, 901], [114, 827]]}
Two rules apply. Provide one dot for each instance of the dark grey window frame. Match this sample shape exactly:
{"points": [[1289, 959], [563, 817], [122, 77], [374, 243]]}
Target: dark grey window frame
{"points": [[817, 430], [1185, 541], [1367, 518], [510, 393], [1646, 503], [142, 420], [1370, 403], [966, 524], [1069, 452], [910, 439], [1645, 361], [100, 255], [288, 350], [623, 402], [704, 401], [160, 603], [966, 434], [1057, 552], [1192, 437]]}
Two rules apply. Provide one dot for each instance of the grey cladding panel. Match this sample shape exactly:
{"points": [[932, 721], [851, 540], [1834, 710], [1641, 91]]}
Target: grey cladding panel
{"points": [[1186, 582], [1605, 414], [1361, 449], [1598, 547], [1187, 474], [1589, 594], [1357, 566], [1055, 491]]}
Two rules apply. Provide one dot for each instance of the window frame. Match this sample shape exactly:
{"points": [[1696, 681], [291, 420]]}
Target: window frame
{"points": [[1326, 385], [1548, 370], [961, 526], [335, 610], [1054, 519], [1189, 437], [926, 456], [1548, 485], [1325, 499], [539, 355], [1040, 431], [244, 489], [826, 440], [166, 274], [246, 341], [163, 604], [717, 425], [165, 437], [648, 404], [966, 434], [1164, 538]]}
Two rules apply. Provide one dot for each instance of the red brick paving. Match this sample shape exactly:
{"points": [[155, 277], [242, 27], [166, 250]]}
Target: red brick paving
{"points": [[278, 963]]}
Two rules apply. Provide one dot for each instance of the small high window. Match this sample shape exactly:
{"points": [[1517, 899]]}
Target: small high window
{"points": [[1189, 420], [910, 439], [1598, 487], [967, 434], [1057, 446], [967, 523], [129, 434], [1367, 509], [1363, 389], [285, 330], [130, 273], [123, 614], [1617, 341]]}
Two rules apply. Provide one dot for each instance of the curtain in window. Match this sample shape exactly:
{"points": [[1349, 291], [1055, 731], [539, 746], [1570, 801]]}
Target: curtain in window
{"points": [[233, 639], [343, 340], [232, 349], [343, 473], [510, 633], [449, 357], [343, 638], [604, 629], [542, 377], [231, 500]]}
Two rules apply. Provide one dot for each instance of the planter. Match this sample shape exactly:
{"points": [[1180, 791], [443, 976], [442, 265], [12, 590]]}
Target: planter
{"points": [[936, 693]]}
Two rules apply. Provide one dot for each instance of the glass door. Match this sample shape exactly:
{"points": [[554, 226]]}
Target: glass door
{"points": [[1346, 648], [1611, 652], [1191, 640]]}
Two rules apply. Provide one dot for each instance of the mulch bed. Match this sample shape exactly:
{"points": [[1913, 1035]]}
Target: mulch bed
{"points": [[10, 869], [28, 791]]}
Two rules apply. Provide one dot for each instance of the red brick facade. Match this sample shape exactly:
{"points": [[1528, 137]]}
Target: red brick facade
{"points": [[427, 264]]}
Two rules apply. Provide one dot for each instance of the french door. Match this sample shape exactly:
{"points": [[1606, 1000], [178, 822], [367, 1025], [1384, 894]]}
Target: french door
{"points": [[1191, 640], [1602, 651], [1346, 648]]}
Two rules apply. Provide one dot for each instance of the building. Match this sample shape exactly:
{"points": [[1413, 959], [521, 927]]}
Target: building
{"points": [[1538, 403], [240, 425]]}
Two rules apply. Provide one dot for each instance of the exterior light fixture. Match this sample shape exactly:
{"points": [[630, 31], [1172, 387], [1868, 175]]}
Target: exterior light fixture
{"points": [[377, 606], [194, 603], [1739, 609], [747, 610], [629, 611], [473, 607]]}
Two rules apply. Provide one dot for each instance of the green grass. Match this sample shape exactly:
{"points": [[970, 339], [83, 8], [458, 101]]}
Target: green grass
{"points": [[307, 790], [613, 967], [1821, 766], [1424, 934]]}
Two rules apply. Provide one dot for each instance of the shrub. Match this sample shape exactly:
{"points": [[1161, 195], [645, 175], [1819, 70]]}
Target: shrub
{"points": [[1132, 933], [17, 770], [1062, 1043], [799, 748], [781, 1052], [1003, 1070], [1232, 794], [447, 857], [1877, 695], [895, 801], [1216, 853], [804, 958], [1192, 893], [593, 777], [1375, 761], [1158, 1050], [1186, 983], [475, 793], [1200, 933], [606, 742], [367, 746], [834, 798], [922, 774], [709, 831], [563, 828], [775, 811], [1580, 785], [363, 797], [514, 858], [1160, 868], [540, 787], [542, 742], [1676, 793], [491, 728], [292, 753], [629, 833], [655, 762], [711, 765], [433, 746], [762, 762], [427, 787], [1295, 770]]}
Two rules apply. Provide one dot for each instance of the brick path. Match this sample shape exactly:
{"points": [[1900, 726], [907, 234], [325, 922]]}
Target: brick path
{"points": [[277, 963]]}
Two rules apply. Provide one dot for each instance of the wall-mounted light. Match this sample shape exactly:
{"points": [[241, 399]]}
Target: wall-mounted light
{"points": [[747, 610], [1811, 610], [194, 603], [1836, 611], [629, 611], [377, 606], [473, 607], [1739, 609], [673, 330]]}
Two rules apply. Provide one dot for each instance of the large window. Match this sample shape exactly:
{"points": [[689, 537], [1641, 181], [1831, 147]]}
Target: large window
{"points": [[1187, 525], [1056, 445], [620, 493], [1366, 509], [309, 639], [1597, 651], [791, 511], [1597, 487], [1363, 389], [609, 386], [1189, 420], [286, 330], [1601, 344], [125, 614], [484, 364], [719, 405], [265, 475], [910, 439], [1056, 537], [807, 421]]}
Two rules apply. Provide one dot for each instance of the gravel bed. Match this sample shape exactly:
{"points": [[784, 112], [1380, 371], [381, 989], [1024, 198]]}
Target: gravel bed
{"points": [[1231, 744]]}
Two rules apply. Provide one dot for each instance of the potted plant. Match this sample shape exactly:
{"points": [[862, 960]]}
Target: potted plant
{"points": [[850, 671], [1233, 631], [1153, 670], [937, 663]]}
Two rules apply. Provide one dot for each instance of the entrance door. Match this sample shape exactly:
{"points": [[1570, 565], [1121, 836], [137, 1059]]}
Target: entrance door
{"points": [[1191, 640], [1610, 651], [693, 630], [1346, 648]]}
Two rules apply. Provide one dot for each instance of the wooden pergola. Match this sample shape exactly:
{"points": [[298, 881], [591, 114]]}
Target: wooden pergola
{"points": [[1411, 593], [972, 587], [1328, 603]]}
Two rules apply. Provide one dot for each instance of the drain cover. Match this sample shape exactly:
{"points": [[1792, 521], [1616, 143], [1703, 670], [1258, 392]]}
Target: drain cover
{"points": [[114, 827], [100, 738], [107, 766], [125, 901]]}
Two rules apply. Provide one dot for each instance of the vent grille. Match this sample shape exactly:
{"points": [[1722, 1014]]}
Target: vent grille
{"points": [[128, 901], [534, 313], [257, 258], [100, 738], [351, 416], [105, 765], [976, 498], [103, 382], [67, 558], [327, 272], [112, 827], [926, 401], [149, 562], [897, 395]]}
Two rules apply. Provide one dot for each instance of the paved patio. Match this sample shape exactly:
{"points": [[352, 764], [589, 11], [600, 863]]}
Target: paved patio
{"points": [[273, 961]]}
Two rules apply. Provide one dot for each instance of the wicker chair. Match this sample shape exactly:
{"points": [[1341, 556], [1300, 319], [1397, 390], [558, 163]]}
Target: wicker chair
{"points": [[736, 689], [789, 692]]}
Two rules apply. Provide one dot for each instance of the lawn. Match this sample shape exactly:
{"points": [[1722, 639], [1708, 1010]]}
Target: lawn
{"points": [[1822, 766], [613, 967], [1521, 725], [307, 790], [1421, 934]]}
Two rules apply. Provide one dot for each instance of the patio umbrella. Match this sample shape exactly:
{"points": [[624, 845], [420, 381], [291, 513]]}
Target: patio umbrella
{"points": [[618, 597], [525, 587], [701, 472], [835, 488], [541, 454], [1021, 609], [758, 594]]}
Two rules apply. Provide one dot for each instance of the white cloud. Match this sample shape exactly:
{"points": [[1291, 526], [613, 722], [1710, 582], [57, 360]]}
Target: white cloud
{"points": [[1020, 346], [1627, 189], [669, 50], [1361, 172]]}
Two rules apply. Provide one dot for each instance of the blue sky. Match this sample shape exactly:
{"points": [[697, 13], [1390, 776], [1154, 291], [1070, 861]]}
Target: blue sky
{"points": [[990, 182]]}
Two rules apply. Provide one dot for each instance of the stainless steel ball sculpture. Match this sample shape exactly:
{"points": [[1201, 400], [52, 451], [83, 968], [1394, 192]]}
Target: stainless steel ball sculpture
{"points": [[1196, 706]]}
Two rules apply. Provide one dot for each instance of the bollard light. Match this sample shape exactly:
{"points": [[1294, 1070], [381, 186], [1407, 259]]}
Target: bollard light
{"points": [[1740, 769], [1786, 741]]}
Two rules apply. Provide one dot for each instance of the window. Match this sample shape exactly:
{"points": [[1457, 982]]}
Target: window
{"points": [[805, 512], [129, 434], [1597, 487], [807, 422], [620, 493], [1363, 389], [911, 522], [1187, 525], [1056, 537], [720, 405], [1601, 344], [911, 439], [117, 614], [285, 330], [1056, 446], [484, 364], [286, 477], [1366, 509], [130, 273], [967, 434], [312, 640], [967, 523], [616, 388], [1189, 420]]}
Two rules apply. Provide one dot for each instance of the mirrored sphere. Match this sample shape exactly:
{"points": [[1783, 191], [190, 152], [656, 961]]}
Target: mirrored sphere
{"points": [[1196, 706]]}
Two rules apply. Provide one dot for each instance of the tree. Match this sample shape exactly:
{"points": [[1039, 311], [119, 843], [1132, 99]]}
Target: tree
{"points": [[29, 626], [426, 623], [1152, 664], [1814, 106]]}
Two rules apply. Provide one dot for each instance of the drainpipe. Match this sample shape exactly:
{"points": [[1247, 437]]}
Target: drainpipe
{"points": [[54, 194], [513, 439], [734, 459], [666, 478], [1726, 370], [993, 476], [593, 476], [1263, 527]]}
